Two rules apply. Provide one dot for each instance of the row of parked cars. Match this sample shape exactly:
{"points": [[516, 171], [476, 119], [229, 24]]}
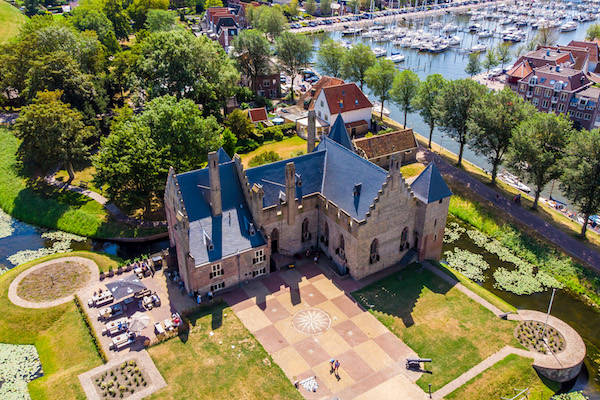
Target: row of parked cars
{"points": [[369, 15]]}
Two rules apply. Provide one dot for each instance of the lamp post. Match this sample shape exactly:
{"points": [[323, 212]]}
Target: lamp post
{"points": [[548, 314]]}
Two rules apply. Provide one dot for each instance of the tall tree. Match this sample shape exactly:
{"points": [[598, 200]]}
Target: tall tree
{"points": [[490, 60], [454, 106], [580, 181], [32, 7], [52, 133], [138, 10], [239, 124], [473, 66], [115, 12], [380, 80], [330, 57], [252, 53], [120, 70], [537, 149], [593, 32], [213, 3], [294, 53], [292, 8], [229, 142], [310, 6], [404, 90], [325, 7], [86, 18], [160, 20], [492, 122], [503, 53], [357, 60], [425, 100], [271, 21]]}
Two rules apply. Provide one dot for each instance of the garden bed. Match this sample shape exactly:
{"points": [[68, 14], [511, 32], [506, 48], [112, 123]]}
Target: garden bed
{"points": [[54, 281], [531, 334], [121, 381]]}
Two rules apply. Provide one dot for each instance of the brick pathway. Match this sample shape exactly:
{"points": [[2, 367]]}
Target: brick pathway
{"points": [[372, 358]]}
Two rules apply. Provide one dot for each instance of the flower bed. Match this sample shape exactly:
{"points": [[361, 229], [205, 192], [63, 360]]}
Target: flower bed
{"points": [[531, 334], [121, 381]]}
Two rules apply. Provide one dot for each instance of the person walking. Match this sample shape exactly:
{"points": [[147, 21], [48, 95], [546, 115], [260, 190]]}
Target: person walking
{"points": [[331, 365], [336, 369]]}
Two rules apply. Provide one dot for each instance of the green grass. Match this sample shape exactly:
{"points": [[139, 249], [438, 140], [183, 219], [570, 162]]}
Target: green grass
{"points": [[200, 366], [285, 148], [86, 175], [499, 381], [469, 284], [11, 20], [42, 205], [410, 170], [437, 321], [59, 334]]}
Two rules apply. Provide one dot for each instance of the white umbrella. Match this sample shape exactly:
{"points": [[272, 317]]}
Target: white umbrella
{"points": [[138, 322]]}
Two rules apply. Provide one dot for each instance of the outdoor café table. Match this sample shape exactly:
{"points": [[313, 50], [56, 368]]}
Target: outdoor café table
{"points": [[103, 298], [120, 339], [117, 325], [105, 312], [138, 272], [168, 324], [147, 302]]}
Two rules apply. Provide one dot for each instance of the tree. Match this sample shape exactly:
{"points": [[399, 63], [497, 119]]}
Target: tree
{"points": [[180, 64], [160, 20], [425, 100], [380, 80], [492, 122], [51, 133], [138, 10], [120, 69], [593, 32], [325, 7], [310, 6], [292, 8], [580, 181], [32, 7], [404, 90], [213, 3], [85, 18], [131, 166], [490, 60], [294, 53], [252, 53], [473, 66], [119, 18], [330, 57], [239, 124], [357, 60], [453, 108], [537, 149], [546, 37], [271, 21], [503, 53], [229, 142], [354, 5]]}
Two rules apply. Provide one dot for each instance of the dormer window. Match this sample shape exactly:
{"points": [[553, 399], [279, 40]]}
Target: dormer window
{"points": [[357, 189]]}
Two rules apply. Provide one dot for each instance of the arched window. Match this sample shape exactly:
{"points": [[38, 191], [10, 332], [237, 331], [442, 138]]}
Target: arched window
{"points": [[305, 232], [404, 239], [342, 244], [340, 251], [325, 236], [274, 241], [374, 253]]}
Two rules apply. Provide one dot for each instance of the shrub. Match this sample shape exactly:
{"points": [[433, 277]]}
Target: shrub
{"points": [[87, 322], [264, 158], [278, 136]]}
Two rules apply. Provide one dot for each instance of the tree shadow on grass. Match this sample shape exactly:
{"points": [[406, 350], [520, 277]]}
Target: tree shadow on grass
{"points": [[397, 295], [215, 310]]}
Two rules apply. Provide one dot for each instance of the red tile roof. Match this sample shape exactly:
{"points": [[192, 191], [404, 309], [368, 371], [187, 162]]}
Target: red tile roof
{"points": [[258, 114], [314, 91], [388, 143], [346, 97], [548, 76], [591, 46], [520, 70], [355, 124]]}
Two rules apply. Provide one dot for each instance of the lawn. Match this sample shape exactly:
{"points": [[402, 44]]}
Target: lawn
{"points": [[230, 364], [41, 205], [499, 381], [85, 175], [11, 20], [411, 170], [58, 333], [285, 148], [437, 321]]}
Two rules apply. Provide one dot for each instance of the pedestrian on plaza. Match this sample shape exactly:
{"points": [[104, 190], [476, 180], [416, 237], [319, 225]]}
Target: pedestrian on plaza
{"points": [[336, 369], [331, 365]]}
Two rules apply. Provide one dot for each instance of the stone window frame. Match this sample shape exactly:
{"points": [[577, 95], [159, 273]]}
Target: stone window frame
{"points": [[259, 256], [374, 251], [217, 286], [216, 270]]}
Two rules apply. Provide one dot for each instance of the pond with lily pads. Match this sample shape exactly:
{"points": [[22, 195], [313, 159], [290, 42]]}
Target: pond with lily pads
{"points": [[498, 269]]}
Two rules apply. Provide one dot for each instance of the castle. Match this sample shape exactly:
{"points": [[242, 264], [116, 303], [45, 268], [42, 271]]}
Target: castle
{"points": [[229, 224]]}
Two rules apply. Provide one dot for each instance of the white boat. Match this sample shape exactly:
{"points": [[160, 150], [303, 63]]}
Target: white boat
{"points": [[396, 58], [379, 51], [351, 31], [513, 181], [568, 26], [450, 28], [454, 40], [370, 34], [478, 48], [377, 108], [484, 34]]}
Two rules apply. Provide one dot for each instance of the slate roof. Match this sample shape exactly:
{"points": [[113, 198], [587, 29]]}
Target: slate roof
{"points": [[339, 133], [429, 186], [228, 232], [344, 98], [388, 143]]}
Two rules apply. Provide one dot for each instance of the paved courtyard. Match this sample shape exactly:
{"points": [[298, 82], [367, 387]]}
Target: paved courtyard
{"points": [[305, 317]]}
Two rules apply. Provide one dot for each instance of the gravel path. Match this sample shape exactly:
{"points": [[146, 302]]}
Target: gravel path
{"points": [[19, 301]]}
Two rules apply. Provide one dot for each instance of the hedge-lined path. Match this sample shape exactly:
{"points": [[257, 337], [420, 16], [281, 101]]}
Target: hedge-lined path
{"points": [[19, 301]]}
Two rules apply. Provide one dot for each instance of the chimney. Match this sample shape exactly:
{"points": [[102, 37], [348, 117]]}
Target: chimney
{"points": [[311, 131], [290, 192], [394, 171], [215, 183]]}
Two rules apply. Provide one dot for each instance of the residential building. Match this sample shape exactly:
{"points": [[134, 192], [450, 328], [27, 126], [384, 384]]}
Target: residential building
{"points": [[308, 98], [379, 149], [348, 101], [229, 224]]}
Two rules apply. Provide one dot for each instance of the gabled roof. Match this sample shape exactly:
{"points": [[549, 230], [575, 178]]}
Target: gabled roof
{"points": [[339, 133], [312, 94], [591, 46], [344, 98], [388, 143], [258, 114], [429, 186], [520, 69], [222, 155], [229, 232], [549, 75]]}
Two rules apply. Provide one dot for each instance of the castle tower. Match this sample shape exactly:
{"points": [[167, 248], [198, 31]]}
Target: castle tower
{"points": [[215, 183], [290, 192], [311, 132]]}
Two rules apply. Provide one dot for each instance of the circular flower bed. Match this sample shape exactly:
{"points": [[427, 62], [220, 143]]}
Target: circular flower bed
{"points": [[54, 281], [531, 334]]}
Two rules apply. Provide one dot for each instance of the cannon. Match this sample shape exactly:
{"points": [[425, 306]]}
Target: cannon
{"points": [[415, 363]]}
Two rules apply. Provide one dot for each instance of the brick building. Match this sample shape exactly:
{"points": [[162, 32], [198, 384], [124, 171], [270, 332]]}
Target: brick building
{"points": [[229, 224]]}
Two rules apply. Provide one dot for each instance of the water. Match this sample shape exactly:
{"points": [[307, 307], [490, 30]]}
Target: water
{"points": [[17, 237], [451, 64], [583, 318]]}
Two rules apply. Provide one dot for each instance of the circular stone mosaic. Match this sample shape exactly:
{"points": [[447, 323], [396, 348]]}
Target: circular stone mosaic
{"points": [[312, 321]]}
